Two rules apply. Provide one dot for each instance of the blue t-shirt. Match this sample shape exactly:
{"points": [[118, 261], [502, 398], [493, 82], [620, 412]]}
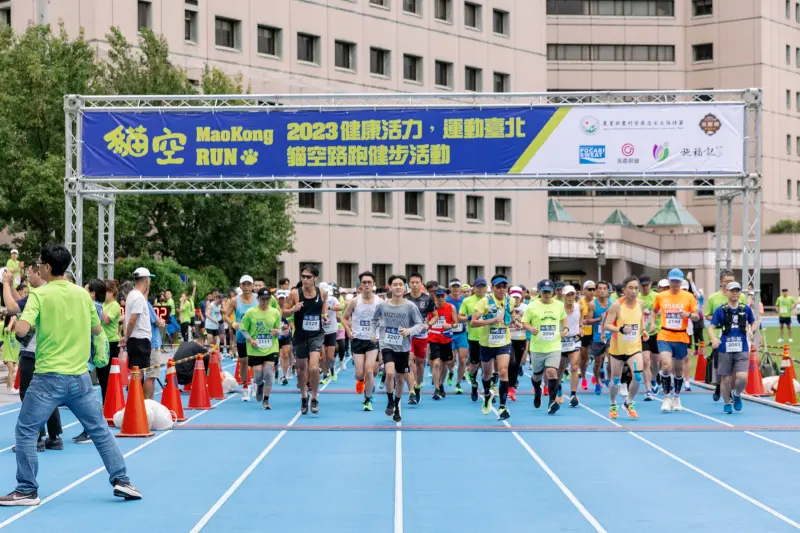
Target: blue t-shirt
{"points": [[155, 339], [736, 341]]}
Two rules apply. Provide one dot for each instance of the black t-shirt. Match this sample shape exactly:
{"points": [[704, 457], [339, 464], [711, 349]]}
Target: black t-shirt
{"points": [[185, 369], [424, 303]]}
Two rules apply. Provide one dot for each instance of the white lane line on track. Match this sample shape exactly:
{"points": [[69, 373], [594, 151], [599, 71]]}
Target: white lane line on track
{"points": [[700, 471], [398, 481]]}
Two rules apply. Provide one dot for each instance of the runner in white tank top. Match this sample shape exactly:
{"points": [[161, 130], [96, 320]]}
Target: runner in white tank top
{"points": [[357, 321], [571, 345]]}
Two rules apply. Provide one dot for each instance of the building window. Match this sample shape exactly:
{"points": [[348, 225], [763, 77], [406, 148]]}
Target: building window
{"points": [[788, 145], [412, 6], [444, 273], [414, 204], [308, 48], [797, 12], [381, 271], [415, 269], [788, 55], [788, 9], [610, 52], [143, 14], [445, 205], [702, 8], [381, 203], [379, 62], [345, 201], [788, 189], [379, 3], [474, 207], [5, 15], [226, 33], [443, 10], [502, 82], [502, 209], [474, 272], [315, 264], [797, 190], [703, 52], [797, 145], [444, 74], [797, 101], [347, 274], [612, 8], [345, 55], [504, 270], [788, 100], [500, 23], [472, 15], [473, 79], [190, 26], [310, 200], [412, 68], [269, 41], [797, 57]]}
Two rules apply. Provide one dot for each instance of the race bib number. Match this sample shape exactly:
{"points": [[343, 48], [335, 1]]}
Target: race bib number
{"points": [[458, 328], [264, 342], [568, 344], [633, 334], [547, 333], [364, 326], [497, 336], [440, 322], [311, 323], [784, 310], [674, 321], [392, 337], [733, 344]]}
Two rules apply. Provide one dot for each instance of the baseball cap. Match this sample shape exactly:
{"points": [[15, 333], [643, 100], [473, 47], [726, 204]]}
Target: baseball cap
{"points": [[283, 293], [676, 274], [663, 284], [440, 291], [684, 285], [479, 282], [455, 283], [560, 284], [497, 279], [568, 289], [733, 286], [546, 286], [142, 272], [645, 280], [15, 251], [589, 284], [324, 287], [465, 286], [515, 291], [245, 279], [263, 294]]}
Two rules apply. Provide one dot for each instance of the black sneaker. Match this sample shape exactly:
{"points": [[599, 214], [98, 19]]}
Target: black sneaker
{"points": [[436, 394], [284, 380], [19, 499], [83, 438], [716, 393], [474, 394], [418, 393], [442, 393], [124, 489], [303, 406], [265, 404], [54, 444], [553, 408], [537, 398], [573, 401], [260, 392], [314, 406], [389, 409], [40, 446], [396, 416], [412, 399]]}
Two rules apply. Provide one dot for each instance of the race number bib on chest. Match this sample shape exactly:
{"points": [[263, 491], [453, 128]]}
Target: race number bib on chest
{"points": [[392, 337], [458, 328], [674, 321], [733, 344], [311, 322], [440, 322], [784, 310], [569, 344], [633, 334], [547, 333], [364, 326], [497, 336], [264, 342]]}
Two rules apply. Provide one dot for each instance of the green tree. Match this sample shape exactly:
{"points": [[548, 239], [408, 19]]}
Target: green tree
{"points": [[785, 226]]}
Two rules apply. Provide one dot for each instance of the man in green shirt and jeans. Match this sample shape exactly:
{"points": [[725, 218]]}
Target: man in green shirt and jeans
{"points": [[65, 319], [785, 304]]}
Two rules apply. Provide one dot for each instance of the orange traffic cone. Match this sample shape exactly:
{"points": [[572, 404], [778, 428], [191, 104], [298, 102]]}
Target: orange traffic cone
{"points": [[171, 397], [788, 356], [16, 379], [123, 369], [187, 387], [785, 393], [215, 377], [238, 372], [198, 399], [250, 376], [755, 382], [134, 423], [700, 369], [115, 399]]}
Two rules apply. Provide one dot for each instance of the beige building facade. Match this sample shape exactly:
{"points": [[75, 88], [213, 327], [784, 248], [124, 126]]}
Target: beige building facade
{"points": [[456, 46]]}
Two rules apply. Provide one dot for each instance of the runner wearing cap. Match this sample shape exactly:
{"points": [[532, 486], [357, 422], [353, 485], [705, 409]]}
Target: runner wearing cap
{"points": [[329, 342], [675, 309], [713, 302], [358, 324], [736, 321], [465, 313], [441, 341], [570, 345], [495, 341], [625, 320], [213, 320], [600, 337], [519, 343], [559, 285], [419, 344], [261, 327], [238, 307], [650, 355], [546, 319], [285, 339], [589, 289], [460, 340]]}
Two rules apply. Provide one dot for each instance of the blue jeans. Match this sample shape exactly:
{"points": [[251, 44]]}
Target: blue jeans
{"points": [[47, 392]]}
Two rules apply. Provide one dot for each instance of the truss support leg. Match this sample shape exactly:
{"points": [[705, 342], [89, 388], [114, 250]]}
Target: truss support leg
{"points": [[724, 249], [73, 233], [105, 240], [751, 244]]}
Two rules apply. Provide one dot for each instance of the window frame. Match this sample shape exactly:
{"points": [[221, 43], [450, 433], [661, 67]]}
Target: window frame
{"points": [[235, 31], [277, 40], [349, 51], [445, 67], [314, 40], [477, 11], [478, 214], [698, 48]]}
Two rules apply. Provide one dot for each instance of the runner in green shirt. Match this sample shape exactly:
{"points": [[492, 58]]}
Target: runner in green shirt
{"points": [[261, 327], [650, 354], [473, 333], [785, 305]]}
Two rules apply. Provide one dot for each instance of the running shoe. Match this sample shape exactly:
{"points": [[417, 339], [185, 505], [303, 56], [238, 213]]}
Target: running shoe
{"points": [[495, 390], [537, 398], [666, 405], [20, 499], [598, 388], [503, 414], [284, 380], [124, 489], [304, 406], [412, 399], [594, 380], [613, 412], [83, 438], [367, 404], [418, 392], [512, 394], [325, 380], [342, 366], [717, 394], [654, 387], [676, 404], [458, 389], [623, 389], [727, 409], [315, 406], [687, 386], [648, 396], [584, 384], [474, 394], [396, 417], [360, 386], [265, 404], [631, 409], [379, 377], [553, 409], [737, 400], [436, 394], [389, 409], [573, 400], [450, 379], [486, 406], [334, 376], [54, 444], [246, 394], [260, 392], [442, 392]]}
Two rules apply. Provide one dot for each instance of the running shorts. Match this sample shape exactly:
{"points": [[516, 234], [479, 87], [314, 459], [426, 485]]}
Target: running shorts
{"points": [[490, 353], [586, 341], [256, 360], [474, 352], [330, 339], [306, 346], [787, 320], [400, 360], [651, 344], [139, 352], [284, 342], [732, 363], [541, 361], [419, 347], [679, 350], [598, 348], [460, 341], [442, 351], [362, 346]]}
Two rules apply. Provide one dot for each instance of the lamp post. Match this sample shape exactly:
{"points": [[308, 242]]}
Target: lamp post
{"points": [[598, 246]]}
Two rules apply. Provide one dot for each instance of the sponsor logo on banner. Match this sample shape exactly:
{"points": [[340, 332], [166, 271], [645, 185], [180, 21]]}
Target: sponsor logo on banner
{"points": [[628, 151], [642, 124], [592, 155], [706, 152], [589, 125], [710, 124], [661, 152]]}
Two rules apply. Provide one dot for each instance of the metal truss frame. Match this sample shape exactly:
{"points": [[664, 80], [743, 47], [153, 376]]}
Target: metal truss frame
{"points": [[728, 189]]}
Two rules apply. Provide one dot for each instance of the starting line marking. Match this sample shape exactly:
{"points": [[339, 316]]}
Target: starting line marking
{"points": [[497, 429]]}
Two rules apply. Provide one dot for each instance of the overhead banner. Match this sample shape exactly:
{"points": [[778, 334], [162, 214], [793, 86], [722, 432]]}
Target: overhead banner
{"points": [[654, 139]]}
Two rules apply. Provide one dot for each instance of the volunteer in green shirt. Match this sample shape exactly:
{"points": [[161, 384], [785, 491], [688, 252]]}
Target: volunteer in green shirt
{"points": [[785, 304], [647, 298], [65, 320], [186, 312], [170, 302], [261, 327], [473, 334], [494, 315], [546, 320], [15, 266], [713, 302], [113, 311]]}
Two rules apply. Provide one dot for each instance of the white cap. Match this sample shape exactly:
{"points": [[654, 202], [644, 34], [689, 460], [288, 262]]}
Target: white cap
{"points": [[515, 291], [282, 293], [324, 287], [142, 272], [348, 297], [663, 284], [684, 285], [733, 285], [588, 284], [568, 289], [246, 279], [15, 251]]}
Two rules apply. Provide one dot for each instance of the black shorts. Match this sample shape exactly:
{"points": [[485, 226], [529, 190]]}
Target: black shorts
{"points": [[443, 351], [139, 353], [284, 342], [787, 320], [518, 350], [651, 345], [400, 360], [623, 358], [305, 346], [474, 352], [586, 341], [330, 339], [210, 331], [361, 346], [257, 360]]}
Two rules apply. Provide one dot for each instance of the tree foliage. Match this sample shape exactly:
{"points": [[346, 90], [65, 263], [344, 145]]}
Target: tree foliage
{"points": [[236, 233], [785, 226]]}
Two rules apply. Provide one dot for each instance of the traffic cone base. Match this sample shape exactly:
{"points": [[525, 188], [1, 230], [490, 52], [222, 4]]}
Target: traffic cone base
{"points": [[134, 423], [171, 397], [755, 381], [199, 399], [115, 398]]}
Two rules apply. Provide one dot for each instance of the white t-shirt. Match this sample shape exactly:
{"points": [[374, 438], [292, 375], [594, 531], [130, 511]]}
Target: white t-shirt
{"points": [[136, 303]]}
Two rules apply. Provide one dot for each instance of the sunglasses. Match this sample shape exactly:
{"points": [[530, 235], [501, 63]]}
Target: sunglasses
{"points": [[591, 290], [307, 276]]}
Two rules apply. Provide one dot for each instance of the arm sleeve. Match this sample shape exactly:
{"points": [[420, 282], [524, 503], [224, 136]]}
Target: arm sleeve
{"points": [[416, 318]]}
